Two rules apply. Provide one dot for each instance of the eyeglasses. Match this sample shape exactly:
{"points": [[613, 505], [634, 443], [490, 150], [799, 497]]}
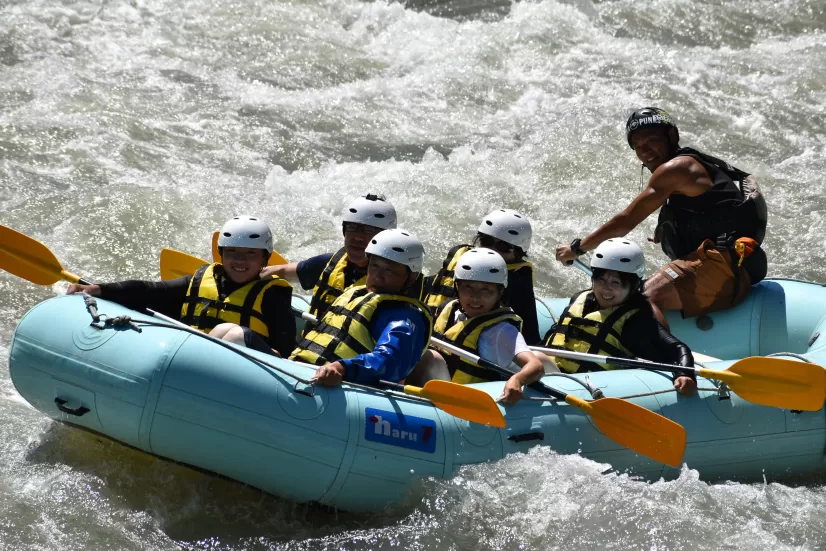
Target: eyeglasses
{"points": [[496, 244], [352, 227]]}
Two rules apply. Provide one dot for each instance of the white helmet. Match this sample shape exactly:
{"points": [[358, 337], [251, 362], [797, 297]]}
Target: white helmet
{"points": [[246, 231], [509, 226], [482, 265], [370, 210], [620, 255], [399, 246]]}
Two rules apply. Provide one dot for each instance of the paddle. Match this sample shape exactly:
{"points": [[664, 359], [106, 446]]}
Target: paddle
{"points": [[626, 423], [275, 258], [27, 258], [772, 382], [175, 264]]}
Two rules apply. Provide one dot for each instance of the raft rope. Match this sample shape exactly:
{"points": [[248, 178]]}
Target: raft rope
{"points": [[791, 355], [102, 321], [545, 304], [641, 395]]}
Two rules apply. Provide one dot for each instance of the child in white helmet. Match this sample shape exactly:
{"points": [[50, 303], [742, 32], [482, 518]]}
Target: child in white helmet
{"points": [[228, 299], [478, 322], [373, 332], [509, 233], [329, 274], [614, 317]]}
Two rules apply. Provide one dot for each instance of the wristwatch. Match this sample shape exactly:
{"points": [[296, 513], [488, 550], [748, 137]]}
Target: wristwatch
{"points": [[575, 247]]}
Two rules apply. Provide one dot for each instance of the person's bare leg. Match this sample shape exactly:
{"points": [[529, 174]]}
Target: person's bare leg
{"points": [[663, 296], [431, 367]]}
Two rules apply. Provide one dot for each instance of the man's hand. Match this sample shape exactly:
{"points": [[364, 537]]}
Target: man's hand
{"points": [[685, 385], [329, 375], [565, 254], [512, 392], [93, 290]]}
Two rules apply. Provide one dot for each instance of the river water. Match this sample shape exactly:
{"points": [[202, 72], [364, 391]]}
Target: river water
{"points": [[129, 126]]}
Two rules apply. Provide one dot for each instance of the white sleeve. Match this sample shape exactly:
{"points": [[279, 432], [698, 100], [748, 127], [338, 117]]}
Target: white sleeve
{"points": [[501, 343]]}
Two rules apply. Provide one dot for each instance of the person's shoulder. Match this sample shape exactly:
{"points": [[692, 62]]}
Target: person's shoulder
{"points": [[499, 330], [317, 260]]}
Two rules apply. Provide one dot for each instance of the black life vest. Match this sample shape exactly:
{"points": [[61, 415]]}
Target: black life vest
{"points": [[732, 208]]}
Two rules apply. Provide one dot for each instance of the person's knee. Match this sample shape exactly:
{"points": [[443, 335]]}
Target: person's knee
{"points": [[220, 330], [660, 291], [229, 332], [431, 367]]}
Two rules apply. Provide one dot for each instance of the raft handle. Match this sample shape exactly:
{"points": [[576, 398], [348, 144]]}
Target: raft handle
{"points": [[723, 392], [60, 403], [305, 389], [526, 437]]}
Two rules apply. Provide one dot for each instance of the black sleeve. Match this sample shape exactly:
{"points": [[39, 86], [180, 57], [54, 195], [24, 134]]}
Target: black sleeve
{"points": [[167, 297], [276, 308], [308, 271], [523, 302], [646, 338]]}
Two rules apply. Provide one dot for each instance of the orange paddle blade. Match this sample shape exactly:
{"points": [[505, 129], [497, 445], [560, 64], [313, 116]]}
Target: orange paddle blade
{"points": [[30, 259], [175, 264], [275, 258], [636, 428], [775, 382], [461, 401]]}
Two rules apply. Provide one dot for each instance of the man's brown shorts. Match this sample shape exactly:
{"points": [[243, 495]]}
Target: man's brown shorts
{"points": [[705, 281]]}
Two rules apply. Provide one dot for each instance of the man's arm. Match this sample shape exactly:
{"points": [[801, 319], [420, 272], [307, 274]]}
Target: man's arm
{"points": [[166, 297], [682, 175], [400, 341], [284, 271]]}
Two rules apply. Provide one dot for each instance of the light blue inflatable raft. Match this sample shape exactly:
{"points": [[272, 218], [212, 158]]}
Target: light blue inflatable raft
{"points": [[182, 397]]}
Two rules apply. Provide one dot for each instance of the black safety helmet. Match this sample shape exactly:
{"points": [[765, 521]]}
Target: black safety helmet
{"points": [[649, 117]]}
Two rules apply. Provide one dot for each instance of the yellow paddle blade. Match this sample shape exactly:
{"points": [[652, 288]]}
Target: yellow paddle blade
{"points": [[275, 258], [175, 264], [636, 428], [461, 401], [775, 382], [30, 259]]}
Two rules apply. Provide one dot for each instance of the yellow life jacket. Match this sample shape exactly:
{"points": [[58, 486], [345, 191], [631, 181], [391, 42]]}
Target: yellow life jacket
{"points": [[331, 283], [465, 334], [344, 331], [439, 288], [599, 332], [205, 306]]}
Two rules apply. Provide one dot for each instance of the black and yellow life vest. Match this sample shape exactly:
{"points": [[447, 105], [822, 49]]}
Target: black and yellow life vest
{"points": [[599, 332], [332, 282], [439, 288], [206, 306], [465, 334], [344, 331]]}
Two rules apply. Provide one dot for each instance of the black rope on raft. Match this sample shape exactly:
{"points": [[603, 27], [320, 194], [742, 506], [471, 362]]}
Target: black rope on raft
{"points": [[102, 321], [641, 395]]}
